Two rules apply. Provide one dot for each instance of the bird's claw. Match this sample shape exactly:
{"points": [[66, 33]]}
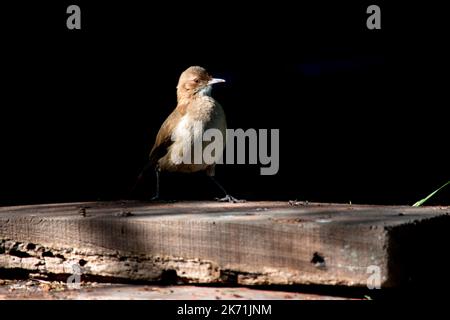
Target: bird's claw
{"points": [[230, 199]]}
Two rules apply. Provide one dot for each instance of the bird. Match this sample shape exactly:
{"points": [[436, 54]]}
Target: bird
{"points": [[195, 107]]}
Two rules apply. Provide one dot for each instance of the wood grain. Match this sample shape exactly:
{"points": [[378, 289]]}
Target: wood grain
{"points": [[207, 242]]}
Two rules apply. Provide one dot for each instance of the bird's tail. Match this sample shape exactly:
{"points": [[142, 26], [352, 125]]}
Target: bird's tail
{"points": [[140, 177]]}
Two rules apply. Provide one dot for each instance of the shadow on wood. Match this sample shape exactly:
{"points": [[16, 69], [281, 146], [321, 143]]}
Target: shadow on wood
{"points": [[254, 243]]}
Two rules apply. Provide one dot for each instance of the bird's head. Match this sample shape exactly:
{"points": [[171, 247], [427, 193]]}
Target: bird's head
{"points": [[195, 81]]}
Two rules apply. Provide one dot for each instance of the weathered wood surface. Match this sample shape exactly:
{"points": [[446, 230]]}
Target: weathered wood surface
{"points": [[209, 242], [46, 290]]}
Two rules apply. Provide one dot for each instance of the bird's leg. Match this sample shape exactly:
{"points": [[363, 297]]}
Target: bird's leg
{"points": [[227, 198], [156, 196]]}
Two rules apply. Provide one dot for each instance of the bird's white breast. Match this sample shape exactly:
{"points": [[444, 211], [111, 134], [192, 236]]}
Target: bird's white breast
{"points": [[187, 132]]}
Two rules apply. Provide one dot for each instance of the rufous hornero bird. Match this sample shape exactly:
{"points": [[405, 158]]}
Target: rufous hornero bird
{"points": [[195, 106]]}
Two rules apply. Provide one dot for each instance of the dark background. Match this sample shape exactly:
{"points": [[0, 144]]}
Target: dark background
{"points": [[361, 112]]}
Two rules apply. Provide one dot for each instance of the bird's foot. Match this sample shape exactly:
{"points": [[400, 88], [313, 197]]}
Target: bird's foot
{"points": [[230, 199]]}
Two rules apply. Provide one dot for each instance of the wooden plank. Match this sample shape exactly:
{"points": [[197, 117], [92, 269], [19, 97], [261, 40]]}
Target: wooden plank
{"points": [[209, 242], [47, 290]]}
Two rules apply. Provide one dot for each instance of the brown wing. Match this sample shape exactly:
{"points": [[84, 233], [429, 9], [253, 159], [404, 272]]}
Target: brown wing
{"points": [[164, 137]]}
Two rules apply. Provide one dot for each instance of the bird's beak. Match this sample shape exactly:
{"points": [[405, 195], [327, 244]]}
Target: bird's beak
{"points": [[214, 81]]}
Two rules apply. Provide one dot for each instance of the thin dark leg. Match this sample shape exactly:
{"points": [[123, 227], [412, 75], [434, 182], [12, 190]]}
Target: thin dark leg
{"points": [[227, 198], [156, 197], [219, 185]]}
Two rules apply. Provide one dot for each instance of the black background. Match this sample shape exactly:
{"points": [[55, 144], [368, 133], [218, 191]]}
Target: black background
{"points": [[361, 112]]}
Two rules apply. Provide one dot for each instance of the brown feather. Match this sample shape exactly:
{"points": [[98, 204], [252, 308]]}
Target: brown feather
{"points": [[164, 137]]}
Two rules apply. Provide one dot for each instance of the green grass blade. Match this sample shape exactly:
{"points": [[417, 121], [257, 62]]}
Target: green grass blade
{"points": [[421, 202]]}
